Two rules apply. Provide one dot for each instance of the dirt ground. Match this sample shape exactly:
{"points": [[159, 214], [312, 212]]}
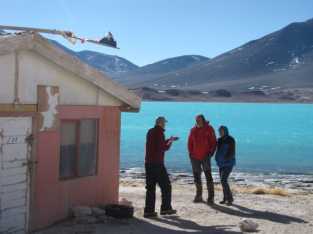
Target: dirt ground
{"points": [[275, 214]]}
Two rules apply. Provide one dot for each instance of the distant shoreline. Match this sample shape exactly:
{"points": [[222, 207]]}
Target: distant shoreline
{"points": [[229, 101], [293, 182], [289, 96]]}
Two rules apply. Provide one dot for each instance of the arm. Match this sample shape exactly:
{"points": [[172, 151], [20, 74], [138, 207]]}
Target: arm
{"points": [[162, 144], [212, 141], [190, 143], [217, 154], [168, 144]]}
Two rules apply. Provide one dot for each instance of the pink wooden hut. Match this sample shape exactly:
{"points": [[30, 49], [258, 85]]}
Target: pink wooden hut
{"points": [[60, 122]]}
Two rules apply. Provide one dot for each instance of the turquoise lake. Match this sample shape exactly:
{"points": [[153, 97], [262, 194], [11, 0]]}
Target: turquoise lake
{"points": [[274, 138]]}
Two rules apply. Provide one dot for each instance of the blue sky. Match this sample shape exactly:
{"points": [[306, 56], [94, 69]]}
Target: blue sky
{"points": [[151, 30]]}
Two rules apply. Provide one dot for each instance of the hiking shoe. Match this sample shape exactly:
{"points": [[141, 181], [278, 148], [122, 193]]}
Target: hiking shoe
{"points": [[198, 197], [150, 214], [229, 203], [168, 212]]}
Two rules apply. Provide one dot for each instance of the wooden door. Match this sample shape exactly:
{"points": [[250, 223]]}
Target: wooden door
{"points": [[14, 174]]}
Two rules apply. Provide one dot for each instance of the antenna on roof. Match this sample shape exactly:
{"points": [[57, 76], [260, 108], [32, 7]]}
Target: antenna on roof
{"points": [[108, 40]]}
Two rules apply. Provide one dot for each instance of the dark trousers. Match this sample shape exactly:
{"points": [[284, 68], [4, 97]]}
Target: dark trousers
{"points": [[157, 174], [203, 165], [224, 174]]}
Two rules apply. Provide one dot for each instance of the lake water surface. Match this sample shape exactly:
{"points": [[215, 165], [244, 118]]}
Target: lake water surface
{"points": [[271, 138]]}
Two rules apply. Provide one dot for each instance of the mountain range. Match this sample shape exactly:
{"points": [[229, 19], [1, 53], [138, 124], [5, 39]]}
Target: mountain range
{"points": [[109, 64], [276, 67]]}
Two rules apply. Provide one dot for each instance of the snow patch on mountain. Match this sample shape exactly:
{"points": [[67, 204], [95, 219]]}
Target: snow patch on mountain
{"points": [[196, 58]]}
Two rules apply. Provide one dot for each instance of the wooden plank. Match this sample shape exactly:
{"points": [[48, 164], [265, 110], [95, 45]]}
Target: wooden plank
{"points": [[18, 108], [41, 30], [12, 224], [14, 211], [12, 164], [13, 204], [14, 188], [14, 139], [19, 152], [14, 172], [12, 196], [14, 230], [19, 231], [11, 126], [9, 180]]}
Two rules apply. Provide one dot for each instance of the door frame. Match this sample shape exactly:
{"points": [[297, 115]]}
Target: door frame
{"points": [[33, 156]]}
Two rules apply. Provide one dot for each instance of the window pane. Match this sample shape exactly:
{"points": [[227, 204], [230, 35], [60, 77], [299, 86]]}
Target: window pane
{"points": [[88, 148], [68, 149]]}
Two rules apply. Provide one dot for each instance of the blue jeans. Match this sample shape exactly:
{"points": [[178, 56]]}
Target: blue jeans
{"points": [[224, 174]]}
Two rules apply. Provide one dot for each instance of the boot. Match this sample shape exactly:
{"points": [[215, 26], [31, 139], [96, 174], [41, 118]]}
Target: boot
{"points": [[198, 197], [210, 187], [210, 200]]}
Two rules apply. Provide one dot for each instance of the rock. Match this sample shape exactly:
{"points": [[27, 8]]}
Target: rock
{"points": [[125, 202], [81, 211], [247, 225], [193, 92], [221, 93], [104, 219], [255, 93], [97, 211], [173, 92], [86, 220]]}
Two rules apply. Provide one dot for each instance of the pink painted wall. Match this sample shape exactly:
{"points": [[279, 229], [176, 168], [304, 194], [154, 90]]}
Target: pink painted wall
{"points": [[53, 197]]}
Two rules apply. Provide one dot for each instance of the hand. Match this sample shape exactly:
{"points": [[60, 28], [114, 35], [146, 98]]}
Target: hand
{"points": [[172, 138]]}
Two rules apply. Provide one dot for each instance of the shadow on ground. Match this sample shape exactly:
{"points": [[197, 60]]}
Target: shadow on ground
{"points": [[171, 224], [165, 225], [179, 225], [244, 212]]}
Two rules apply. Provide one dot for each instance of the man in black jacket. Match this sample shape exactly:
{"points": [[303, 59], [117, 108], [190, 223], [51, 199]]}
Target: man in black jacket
{"points": [[156, 173]]}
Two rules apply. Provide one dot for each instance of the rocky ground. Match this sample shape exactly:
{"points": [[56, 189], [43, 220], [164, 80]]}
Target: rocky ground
{"points": [[290, 212]]}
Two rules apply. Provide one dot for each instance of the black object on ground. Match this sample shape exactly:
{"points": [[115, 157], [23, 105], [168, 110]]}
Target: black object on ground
{"points": [[119, 211]]}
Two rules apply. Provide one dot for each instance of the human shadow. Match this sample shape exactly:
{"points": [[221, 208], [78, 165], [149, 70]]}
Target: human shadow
{"points": [[168, 225], [187, 226], [244, 212]]}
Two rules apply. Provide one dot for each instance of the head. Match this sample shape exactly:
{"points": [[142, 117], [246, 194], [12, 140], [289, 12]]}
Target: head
{"points": [[200, 120], [223, 131], [161, 121]]}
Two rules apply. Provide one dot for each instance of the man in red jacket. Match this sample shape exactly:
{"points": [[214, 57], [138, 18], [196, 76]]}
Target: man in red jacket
{"points": [[201, 146], [156, 173]]}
